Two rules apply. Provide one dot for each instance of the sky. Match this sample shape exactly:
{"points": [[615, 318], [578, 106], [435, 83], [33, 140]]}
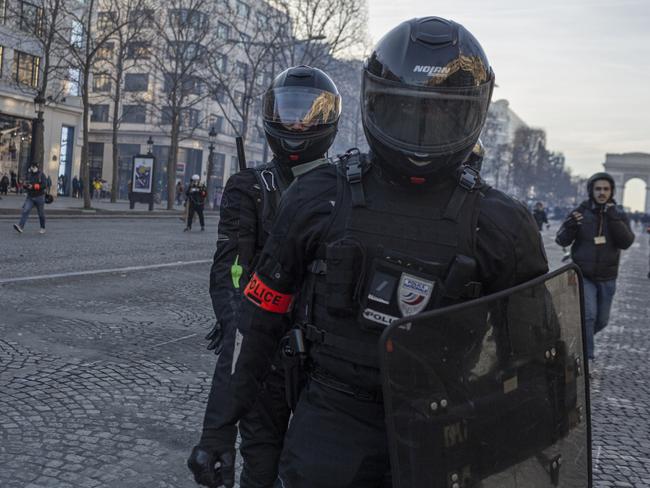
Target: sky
{"points": [[580, 69]]}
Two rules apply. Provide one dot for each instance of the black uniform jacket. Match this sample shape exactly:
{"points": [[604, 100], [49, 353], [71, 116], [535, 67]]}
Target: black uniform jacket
{"points": [[509, 252], [597, 261]]}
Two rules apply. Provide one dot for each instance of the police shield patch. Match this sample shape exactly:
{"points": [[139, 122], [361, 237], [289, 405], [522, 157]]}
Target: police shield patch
{"points": [[414, 294]]}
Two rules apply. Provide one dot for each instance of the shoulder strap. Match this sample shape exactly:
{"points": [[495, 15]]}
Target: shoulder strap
{"points": [[469, 180], [354, 167]]}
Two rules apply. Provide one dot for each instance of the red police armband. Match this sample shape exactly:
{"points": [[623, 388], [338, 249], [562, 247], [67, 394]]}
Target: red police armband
{"points": [[37, 187], [267, 298]]}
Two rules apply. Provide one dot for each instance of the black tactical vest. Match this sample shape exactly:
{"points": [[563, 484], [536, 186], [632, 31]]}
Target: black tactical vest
{"points": [[391, 251]]}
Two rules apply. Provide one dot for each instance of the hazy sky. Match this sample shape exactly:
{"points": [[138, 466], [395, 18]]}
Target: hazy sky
{"points": [[580, 69]]}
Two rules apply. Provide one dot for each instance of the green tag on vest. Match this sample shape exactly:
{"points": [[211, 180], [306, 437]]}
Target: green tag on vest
{"points": [[235, 272]]}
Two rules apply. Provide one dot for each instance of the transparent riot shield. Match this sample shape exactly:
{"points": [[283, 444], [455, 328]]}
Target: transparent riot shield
{"points": [[491, 393]]}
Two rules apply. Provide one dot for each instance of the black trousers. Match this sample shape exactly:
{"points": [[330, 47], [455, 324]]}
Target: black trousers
{"points": [[335, 441], [262, 432], [190, 215]]}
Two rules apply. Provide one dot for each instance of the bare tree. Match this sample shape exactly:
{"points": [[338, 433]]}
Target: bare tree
{"points": [[328, 29], [243, 66], [93, 25], [179, 58], [131, 21], [37, 26]]}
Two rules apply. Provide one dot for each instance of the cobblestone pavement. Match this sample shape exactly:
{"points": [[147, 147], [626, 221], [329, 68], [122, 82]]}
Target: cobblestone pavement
{"points": [[104, 378]]}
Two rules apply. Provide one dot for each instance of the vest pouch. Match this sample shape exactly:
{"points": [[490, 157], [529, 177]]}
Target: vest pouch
{"points": [[343, 261], [396, 288]]}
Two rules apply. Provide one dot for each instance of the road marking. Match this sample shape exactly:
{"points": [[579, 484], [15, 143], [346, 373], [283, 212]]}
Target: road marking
{"points": [[103, 271], [174, 340], [597, 456]]}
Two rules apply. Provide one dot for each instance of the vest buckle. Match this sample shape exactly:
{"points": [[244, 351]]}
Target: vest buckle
{"points": [[469, 179]]}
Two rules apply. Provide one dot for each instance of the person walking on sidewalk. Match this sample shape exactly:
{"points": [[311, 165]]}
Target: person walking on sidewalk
{"points": [[35, 186], [540, 216], [196, 194], [597, 231]]}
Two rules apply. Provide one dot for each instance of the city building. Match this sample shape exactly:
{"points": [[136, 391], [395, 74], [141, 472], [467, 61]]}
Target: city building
{"points": [[21, 69]]}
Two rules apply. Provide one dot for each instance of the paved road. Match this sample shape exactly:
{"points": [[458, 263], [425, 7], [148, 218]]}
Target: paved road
{"points": [[104, 377]]}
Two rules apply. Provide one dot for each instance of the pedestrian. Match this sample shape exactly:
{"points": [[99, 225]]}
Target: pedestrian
{"points": [[75, 187], [410, 201], [81, 188], [597, 231], [4, 185], [49, 184], [35, 186], [251, 198], [540, 216], [14, 181], [180, 191], [60, 185], [196, 194]]}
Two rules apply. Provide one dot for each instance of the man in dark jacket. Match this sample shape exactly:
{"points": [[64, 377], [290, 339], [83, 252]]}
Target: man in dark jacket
{"points": [[597, 231], [540, 215], [196, 194], [35, 185]]}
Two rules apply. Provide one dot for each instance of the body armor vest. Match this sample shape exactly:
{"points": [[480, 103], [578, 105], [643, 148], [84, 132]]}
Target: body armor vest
{"points": [[391, 251]]}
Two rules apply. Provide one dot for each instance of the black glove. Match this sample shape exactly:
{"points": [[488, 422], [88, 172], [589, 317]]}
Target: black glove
{"points": [[573, 220], [203, 465], [612, 212], [215, 338]]}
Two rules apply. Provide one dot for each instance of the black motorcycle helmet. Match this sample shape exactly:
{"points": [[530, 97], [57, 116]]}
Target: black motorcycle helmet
{"points": [[426, 90], [301, 111], [596, 177]]}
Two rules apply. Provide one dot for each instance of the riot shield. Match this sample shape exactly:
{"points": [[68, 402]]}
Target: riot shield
{"points": [[491, 393]]}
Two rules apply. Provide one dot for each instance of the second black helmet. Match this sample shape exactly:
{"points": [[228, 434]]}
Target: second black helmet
{"points": [[301, 110], [426, 91]]}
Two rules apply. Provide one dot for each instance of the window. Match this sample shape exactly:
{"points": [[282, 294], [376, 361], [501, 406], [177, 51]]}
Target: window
{"points": [[262, 19], [166, 116], [106, 21], [245, 39], [136, 82], [31, 18], [189, 51], [134, 114], [234, 165], [239, 99], [99, 113], [219, 94], [242, 70], [193, 118], [101, 82], [243, 9], [142, 18], [184, 18], [26, 69], [76, 34], [169, 82], [222, 62], [74, 76], [105, 52], [223, 31], [3, 11], [215, 121], [138, 50], [237, 127]]}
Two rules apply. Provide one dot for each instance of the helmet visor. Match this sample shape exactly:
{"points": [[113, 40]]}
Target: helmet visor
{"points": [[431, 120], [301, 108]]}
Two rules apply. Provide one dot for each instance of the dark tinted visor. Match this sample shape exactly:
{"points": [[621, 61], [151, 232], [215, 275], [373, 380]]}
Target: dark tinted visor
{"points": [[425, 119], [300, 106]]}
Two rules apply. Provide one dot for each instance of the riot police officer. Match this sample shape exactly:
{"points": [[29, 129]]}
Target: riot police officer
{"points": [[196, 194], [301, 112], [373, 239]]}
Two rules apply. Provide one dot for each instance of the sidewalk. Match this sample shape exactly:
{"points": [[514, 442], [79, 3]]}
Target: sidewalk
{"points": [[10, 207]]}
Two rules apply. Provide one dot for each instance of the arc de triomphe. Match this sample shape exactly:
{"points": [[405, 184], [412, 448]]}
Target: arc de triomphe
{"points": [[624, 167]]}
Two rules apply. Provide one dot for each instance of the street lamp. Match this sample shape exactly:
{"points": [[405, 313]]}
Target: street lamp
{"points": [[212, 137], [36, 152], [150, 145]]}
